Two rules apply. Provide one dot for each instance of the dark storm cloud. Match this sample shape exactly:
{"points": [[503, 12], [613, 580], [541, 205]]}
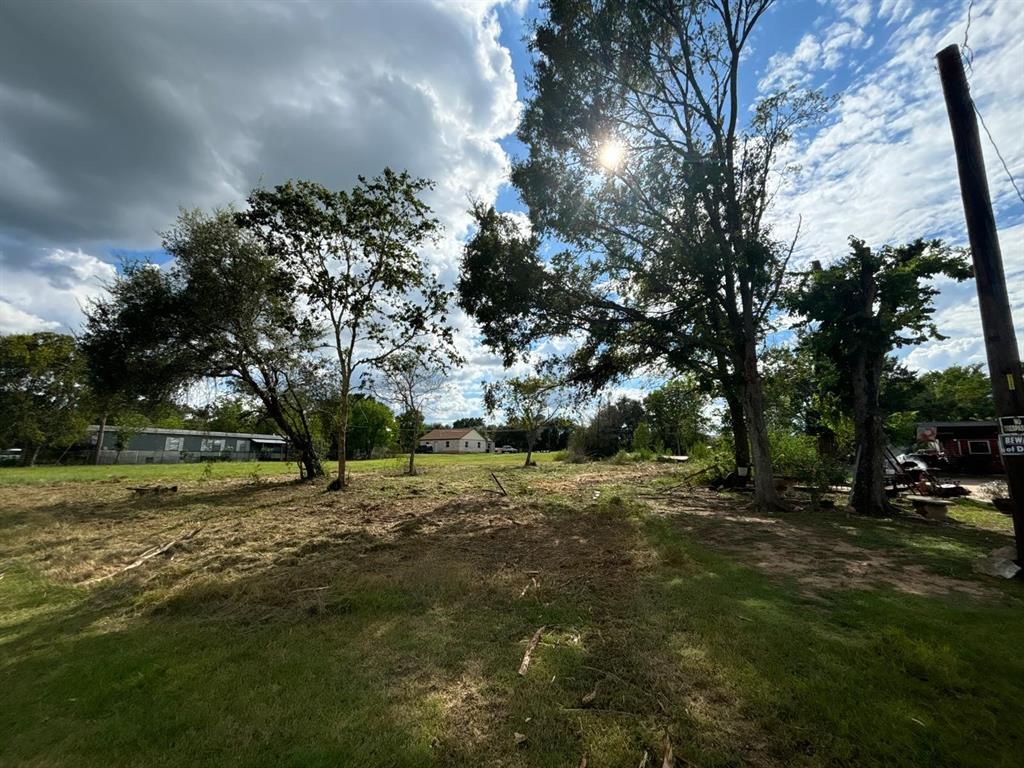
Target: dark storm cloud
{"points": [[112, 115]]}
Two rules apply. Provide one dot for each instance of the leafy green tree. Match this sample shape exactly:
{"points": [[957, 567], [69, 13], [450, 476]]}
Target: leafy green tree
{"points": [[44, 397], [643, 438], [856, 312], [371, 426], [899, 395], [959, 393], [224, 309], [131, 345], [410, 429], [234, 413], [675, 413], [356, 259], [529, 404], [651, 163], [466, 423], [611, 429]]}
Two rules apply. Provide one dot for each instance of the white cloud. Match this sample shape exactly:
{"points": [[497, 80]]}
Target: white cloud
{"points": [[14, 320], [114, 118], [884, 168], [827, 52], [47, 295]]}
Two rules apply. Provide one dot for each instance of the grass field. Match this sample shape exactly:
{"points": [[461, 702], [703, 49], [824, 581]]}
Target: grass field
{"points": [[384, 626], [226, 470]]}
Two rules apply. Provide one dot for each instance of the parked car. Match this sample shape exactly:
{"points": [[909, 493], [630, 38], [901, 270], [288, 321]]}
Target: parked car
{"points": [[424, 449], [506, 449]]}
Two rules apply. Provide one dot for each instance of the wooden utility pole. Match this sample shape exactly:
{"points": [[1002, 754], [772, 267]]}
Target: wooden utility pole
{"points": [[1000, 340]]}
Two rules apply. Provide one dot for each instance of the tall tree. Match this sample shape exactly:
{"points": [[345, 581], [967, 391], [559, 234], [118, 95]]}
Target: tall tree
{"points": [[856, 312], [44, 396], [410, 429], [413, 383], [529, 404], [356, 259], [612, 427], [648, 162]]}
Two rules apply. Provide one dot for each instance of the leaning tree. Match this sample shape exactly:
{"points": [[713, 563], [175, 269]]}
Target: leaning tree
{"points": [[653, 169], [355, 257], [223, 309]]}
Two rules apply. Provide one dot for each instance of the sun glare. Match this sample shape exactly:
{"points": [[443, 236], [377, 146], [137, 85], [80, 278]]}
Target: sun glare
{"points": [[611, 154]]}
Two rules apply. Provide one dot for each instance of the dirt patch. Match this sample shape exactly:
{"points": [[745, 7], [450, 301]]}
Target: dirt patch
{"points": [[815, 556]]}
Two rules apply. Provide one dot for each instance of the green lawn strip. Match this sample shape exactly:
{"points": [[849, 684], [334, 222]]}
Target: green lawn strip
{"points": [[219, 470]]}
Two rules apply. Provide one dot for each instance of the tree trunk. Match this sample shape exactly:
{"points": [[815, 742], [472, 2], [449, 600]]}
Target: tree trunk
{"points": [[299, 435], [766, 497], [343, 431], [99, 439], [30, 458], [738, 425], [529, 451], [310, 463], [412, 459], [868, 495]]}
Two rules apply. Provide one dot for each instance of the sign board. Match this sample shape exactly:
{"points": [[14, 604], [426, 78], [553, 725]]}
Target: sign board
{"points": [[1011, 445], [1011, 425]]}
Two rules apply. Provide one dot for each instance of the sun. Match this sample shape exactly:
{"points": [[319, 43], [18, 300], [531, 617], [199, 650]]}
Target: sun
{"points": [[611, 154]]}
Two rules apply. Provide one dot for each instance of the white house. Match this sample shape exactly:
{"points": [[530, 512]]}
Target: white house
{"points": [[455, 441]]}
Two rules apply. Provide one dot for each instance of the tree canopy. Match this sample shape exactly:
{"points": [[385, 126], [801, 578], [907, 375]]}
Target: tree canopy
{"points": [[652, 173], [44, 394]]}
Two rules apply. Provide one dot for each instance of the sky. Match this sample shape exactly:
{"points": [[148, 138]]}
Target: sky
{"points": [[115, 114]]}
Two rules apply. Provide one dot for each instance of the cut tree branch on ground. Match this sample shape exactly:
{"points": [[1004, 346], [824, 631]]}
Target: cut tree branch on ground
{"points": [[669, 760], [532, 583], [147, 555], [525, 664], [502, 487]]}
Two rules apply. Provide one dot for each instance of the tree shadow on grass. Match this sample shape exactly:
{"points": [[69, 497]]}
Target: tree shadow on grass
{"points": [[396, 642], [828, 549]]}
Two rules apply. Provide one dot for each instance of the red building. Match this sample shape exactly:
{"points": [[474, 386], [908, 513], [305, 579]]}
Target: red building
{"points": [[967, 446]]}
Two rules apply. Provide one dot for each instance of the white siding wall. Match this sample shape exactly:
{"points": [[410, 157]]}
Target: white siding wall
{"points": [[471, 443]]}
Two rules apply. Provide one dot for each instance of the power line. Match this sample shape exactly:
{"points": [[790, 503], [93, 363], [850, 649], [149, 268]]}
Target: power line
{"points": [[967, 53], [1006, 168]]}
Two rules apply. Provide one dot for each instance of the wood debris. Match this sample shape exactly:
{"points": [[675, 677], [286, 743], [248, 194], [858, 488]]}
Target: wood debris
{"points": [[532, 583], [669, 760], [525, 665], [502, 487], [141, 490], [520, 738], [147, 555]]}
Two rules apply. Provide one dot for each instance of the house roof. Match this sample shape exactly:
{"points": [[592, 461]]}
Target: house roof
{"points": [[447, 434], [955, 424], [254, 436]]}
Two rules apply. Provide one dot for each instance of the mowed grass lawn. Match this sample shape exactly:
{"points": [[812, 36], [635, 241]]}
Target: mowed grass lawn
{"points": [[384, 626]]}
